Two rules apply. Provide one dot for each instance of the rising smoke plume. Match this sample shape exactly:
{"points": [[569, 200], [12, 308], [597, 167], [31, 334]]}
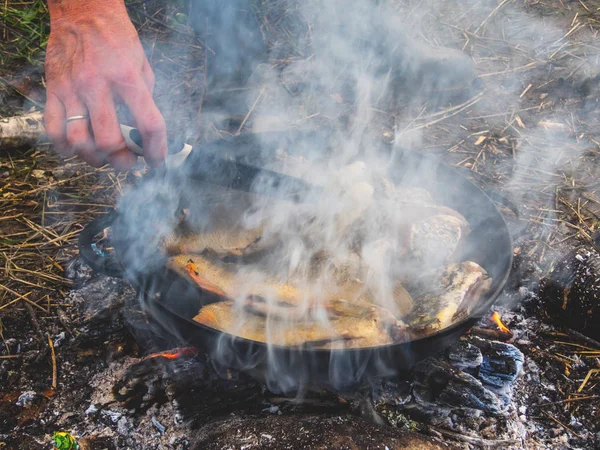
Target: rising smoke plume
{"points": [[351, 66]]}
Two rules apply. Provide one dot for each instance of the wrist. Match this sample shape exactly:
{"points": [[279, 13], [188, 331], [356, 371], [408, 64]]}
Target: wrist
{"points": [[70, 10]]}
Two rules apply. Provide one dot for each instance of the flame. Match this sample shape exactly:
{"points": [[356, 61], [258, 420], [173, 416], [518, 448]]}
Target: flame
{"points": [[496, 319], [178, 352]]}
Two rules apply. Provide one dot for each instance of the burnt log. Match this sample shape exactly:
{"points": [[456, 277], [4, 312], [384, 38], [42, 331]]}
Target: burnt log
{"points": [[571, 292], [439, 385]]}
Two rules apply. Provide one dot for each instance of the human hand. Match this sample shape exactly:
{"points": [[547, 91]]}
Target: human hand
{"points": [[95, 60]]}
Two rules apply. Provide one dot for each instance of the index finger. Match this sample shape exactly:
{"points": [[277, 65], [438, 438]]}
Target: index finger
{"points": [[148, 120]]}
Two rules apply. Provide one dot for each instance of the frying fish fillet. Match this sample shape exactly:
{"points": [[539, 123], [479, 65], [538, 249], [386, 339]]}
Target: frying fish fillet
{"points": [[435, 239], [377, 257], [274, 298], [350, 331], [460, 287], [222, 241], [223, 279]]}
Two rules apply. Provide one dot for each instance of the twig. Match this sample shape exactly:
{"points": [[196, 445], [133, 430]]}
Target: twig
{"points": [[587, 378], [250, 111], [12, 302], [468, 104], [504, 72], [492, 334], [20, 297], [473, 439], [584, 338], [562, 425], [54, 370], [570, 400], [490, 15], [34, 320], [21, 93], [22, 130]]}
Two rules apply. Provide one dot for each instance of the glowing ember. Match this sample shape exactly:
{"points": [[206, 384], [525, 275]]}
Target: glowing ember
{"points": [[496, 319], [178, 352]]}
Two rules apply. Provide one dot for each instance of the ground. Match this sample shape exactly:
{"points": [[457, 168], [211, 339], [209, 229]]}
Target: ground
{"points": [[529, 132]]}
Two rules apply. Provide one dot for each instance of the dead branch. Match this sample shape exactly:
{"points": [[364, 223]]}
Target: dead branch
{"points": [[21, 131]]}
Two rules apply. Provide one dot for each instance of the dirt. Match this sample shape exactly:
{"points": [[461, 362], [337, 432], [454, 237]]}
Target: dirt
{"points": [[111, 398], [306, 431]]}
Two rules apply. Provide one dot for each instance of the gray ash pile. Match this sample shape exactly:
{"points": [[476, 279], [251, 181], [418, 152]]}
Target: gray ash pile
{"points": [[466, 392]]}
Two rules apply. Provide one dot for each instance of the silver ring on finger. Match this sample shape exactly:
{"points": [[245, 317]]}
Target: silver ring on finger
{"points": [[72, 118]]}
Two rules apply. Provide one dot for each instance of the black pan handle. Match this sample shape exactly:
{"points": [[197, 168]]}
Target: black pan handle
{"points": [[104, 264]]}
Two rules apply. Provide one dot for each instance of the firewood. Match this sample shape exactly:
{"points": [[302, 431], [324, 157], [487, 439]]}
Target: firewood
{"points": [[492, 334], [21, 131]]}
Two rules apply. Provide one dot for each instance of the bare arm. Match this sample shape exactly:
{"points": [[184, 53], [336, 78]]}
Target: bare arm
{"points": [[94, 60]]}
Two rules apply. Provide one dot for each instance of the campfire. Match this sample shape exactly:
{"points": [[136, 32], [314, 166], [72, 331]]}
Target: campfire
{"points": [[369, 245], [496, 319]]}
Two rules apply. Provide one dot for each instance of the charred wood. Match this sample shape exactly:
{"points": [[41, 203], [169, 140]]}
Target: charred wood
{"points": [[572, 291]]}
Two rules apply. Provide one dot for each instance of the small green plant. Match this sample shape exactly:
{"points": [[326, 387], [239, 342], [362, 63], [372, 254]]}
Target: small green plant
{"points": [[64, 441], [24, 30]]}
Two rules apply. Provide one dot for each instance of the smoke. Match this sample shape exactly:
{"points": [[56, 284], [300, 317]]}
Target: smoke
{"points": [[354, 70]]}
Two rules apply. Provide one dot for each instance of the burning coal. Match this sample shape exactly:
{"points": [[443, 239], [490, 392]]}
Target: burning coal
{"points": [[181, 352]]}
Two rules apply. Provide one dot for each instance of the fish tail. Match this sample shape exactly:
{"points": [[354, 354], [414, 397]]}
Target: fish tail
{"points": [[207, 317], [192, 271]]}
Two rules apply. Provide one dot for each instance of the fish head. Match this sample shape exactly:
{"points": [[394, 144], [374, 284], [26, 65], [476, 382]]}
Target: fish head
{"points": [[472, 282], [453, 291]]}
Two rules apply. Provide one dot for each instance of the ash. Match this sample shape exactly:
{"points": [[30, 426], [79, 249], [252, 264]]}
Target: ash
{"points": [[478, 393]]}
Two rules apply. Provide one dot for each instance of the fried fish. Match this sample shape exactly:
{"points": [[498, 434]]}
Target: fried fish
{"points": [[434, 240], [234, 241], [459, 287], [372, 329], [272, 297]]}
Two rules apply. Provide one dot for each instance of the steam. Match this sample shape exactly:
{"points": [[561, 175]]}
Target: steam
{"points": [[353, 65]]}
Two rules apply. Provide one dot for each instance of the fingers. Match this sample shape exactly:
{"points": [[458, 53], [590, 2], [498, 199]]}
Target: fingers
{"points": [[148, 76], [99, 139], [54, 122], [148, 120], [73, 137], [107, 132], [79, 138]]}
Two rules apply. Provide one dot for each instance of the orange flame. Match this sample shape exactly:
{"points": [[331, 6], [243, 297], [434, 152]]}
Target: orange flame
{"points": [[496, 319], [178, 352]]}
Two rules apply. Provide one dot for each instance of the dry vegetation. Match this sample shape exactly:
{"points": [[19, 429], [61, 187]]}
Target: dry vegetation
{"points": [[553, 130]]}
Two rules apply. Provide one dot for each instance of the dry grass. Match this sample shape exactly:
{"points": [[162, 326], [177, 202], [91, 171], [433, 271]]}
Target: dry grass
{"points": [[44, 204]]}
